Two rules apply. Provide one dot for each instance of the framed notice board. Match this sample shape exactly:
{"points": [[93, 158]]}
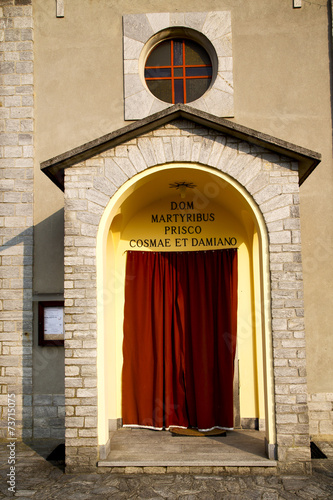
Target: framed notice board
{"points": [[51, 323]]}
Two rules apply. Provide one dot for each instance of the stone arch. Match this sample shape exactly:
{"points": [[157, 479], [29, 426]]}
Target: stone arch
{"points": [[109, 218], [270, 181]]}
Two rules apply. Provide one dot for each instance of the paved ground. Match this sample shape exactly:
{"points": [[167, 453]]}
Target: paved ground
{"points": [[38, 479]]}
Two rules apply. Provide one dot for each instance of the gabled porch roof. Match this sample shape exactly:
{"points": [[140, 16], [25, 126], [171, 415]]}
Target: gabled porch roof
{"points": [[54, 167]]}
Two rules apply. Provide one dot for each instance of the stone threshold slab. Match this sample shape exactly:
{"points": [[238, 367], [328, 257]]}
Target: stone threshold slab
{"points": [[187, 463], [147, 448]]}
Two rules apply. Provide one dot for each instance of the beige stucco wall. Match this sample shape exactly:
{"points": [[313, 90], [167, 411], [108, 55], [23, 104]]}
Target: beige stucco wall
{"points": [[282, 87]]}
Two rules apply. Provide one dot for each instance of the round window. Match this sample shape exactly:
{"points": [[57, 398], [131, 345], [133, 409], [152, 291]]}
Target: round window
{"points": [[178, 71]]}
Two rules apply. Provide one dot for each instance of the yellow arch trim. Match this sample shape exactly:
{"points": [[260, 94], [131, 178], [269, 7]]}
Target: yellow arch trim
{"points": [[104, 226]]}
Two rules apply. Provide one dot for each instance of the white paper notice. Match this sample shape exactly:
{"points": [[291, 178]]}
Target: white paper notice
{"points": [[54, 320]]}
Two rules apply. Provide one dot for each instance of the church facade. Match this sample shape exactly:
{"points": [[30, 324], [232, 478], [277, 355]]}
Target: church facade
{"points": [[162, 133]]}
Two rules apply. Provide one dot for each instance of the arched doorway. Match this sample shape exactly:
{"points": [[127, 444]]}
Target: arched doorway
{"points": [[142, 216], [180, 333]]}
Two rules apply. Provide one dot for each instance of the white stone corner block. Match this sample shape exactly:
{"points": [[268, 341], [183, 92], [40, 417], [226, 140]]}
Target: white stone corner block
{"points": [[60, 8], [195, 20], [132, 85], [159, 21], [217, 24], [177, 19], [137, 27], [157, 106], [132, 49], [136, 106]]}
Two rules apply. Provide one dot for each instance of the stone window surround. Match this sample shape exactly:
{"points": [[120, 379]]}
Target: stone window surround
{"points": [[142, 31]]}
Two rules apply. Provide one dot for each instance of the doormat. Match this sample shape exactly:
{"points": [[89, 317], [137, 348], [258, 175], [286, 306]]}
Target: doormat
{"points": [[194, 432]]}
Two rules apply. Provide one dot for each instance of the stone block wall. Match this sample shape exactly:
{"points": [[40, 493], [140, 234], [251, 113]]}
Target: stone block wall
{"points": [[272, 180], [321, 414], [49, 416], [16, 211]]}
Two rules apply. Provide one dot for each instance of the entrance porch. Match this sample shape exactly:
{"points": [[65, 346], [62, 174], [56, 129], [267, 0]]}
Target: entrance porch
{"points": [[246, 191]]}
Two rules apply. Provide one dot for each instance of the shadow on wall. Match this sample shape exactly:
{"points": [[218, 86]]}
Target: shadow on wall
{"points": [[330, 47], [17, 314], [48, 370], [49, 255], [37, 372]]}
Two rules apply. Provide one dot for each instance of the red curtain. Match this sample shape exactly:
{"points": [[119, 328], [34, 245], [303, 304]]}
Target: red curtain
{"points": [[180, 324]]}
